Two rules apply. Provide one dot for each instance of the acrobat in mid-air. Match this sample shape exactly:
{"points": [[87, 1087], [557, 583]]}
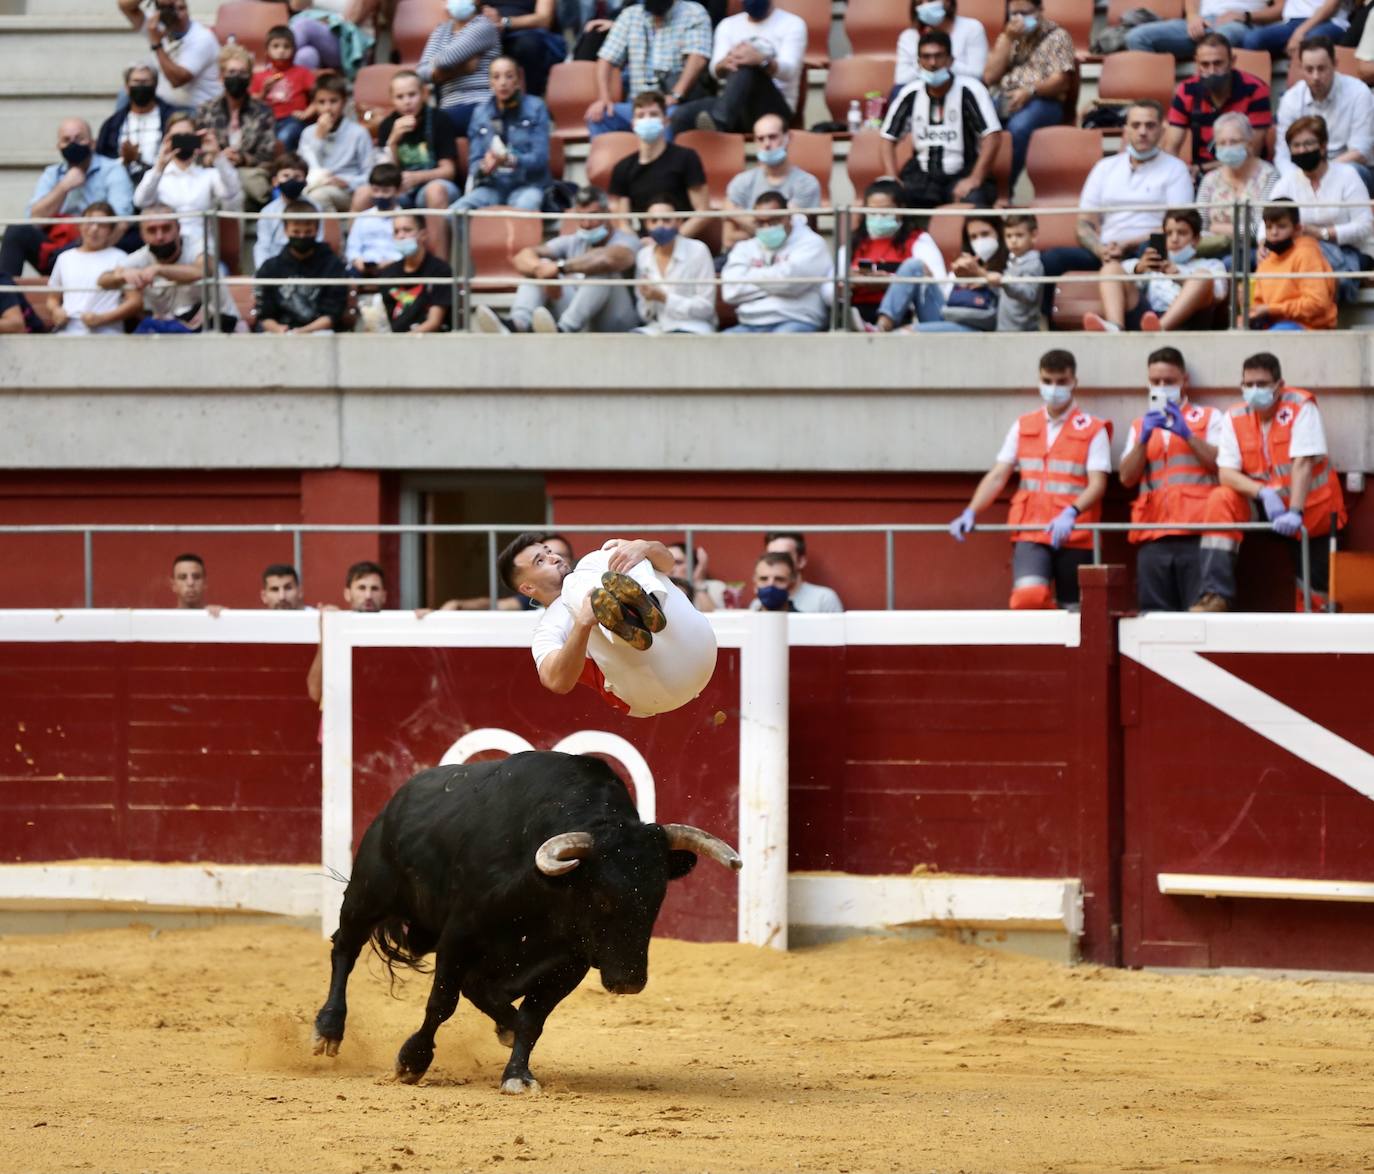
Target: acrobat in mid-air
{"points": [[615, 623]]}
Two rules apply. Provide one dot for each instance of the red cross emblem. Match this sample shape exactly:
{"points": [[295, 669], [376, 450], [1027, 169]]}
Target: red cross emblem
{"points": [[1285, 415], [1193, 414], [1082, 421]]}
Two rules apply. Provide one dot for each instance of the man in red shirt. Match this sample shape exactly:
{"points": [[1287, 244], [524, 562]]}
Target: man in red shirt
{"points": [[284, 86], [1219, 88]]}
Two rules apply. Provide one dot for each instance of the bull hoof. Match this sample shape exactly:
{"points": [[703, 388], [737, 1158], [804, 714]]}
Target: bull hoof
{"points": [[518, 1086], [413, 1060], [405, 1075], [324, 1046], [506, 1037]]}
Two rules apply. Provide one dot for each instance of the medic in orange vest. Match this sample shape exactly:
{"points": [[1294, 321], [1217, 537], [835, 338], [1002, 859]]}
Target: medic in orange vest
{"points": [[1171, 453], [1272, 456], [1063, 457]]}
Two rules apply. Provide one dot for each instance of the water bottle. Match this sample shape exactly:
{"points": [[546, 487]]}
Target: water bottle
{"points": [[856, 117]]}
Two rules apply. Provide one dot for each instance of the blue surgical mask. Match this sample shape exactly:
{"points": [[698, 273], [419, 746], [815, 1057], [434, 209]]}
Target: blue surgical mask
{"points": [[1183, 255], [650, 130], [935, 77], [1232, 156], [407, 246], [461, 9], [1142, 156], [1260, 398], [930, 13], [773, 156], [772, 237], [1029, 24], [664, 234], [1055, 395], [593, 236], [773, 598], [881, 226]]}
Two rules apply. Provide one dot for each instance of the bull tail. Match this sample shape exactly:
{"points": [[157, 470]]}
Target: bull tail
{"points": [[398, 942]]}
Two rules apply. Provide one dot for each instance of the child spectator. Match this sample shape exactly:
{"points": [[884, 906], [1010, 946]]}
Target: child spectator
{"points": [[337, 150], [1018, 307], [1290, 303], [302, 308], [1181, 290], [885, 242], [284, 86], [288, 182], [76, 304], [370, 241], [422, 298]]}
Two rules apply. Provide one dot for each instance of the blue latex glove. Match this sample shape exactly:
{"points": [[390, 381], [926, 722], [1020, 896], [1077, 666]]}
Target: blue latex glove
{"points": [[961, 526], [1176, 423], [1062, 526], [1149, 422], [1272, 501], [1287, 523]]}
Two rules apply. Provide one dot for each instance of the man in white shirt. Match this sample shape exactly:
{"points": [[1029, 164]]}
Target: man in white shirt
{"points": [[616, 624], [805, 596], [757, 56], [1344, 103], [777, 277], [1282, 25], [187, 52], [775, 173]]}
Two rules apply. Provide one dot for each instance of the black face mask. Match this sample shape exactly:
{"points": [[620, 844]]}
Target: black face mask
{"points": [[1216, 83], [76, 154], [301, 246], [141, 95], [291, 189], [166, 250], [1279, 247], [1308, 161], [185, 146], [236, 84]]}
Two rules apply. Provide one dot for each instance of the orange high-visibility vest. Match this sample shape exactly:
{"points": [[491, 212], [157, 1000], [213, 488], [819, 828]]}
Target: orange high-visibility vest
{"points": [[1052, 476], [1265, 458], [1175, 485]]}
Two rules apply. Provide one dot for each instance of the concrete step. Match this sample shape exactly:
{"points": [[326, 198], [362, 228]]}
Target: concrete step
{"points": [[28, 126], [203, 10], [39, 55], [16, 187]]}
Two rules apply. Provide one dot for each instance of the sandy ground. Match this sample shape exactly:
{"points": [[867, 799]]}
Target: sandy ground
{"points": [[189, 1050]]}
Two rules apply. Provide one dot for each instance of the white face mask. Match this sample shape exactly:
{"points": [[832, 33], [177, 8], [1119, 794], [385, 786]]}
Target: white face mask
{"points": [[1055, 395], [984, 248]]}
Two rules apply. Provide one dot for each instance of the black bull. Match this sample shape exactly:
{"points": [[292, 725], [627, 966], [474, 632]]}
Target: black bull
{"points": [[520, 876]]}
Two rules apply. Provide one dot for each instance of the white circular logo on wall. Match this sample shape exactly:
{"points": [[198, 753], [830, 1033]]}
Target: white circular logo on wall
{"points": [[581, 742]]}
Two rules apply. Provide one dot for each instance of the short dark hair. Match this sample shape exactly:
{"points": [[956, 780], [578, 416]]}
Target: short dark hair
{"points": [[589, 193], [935, 37], [662, 198], [1325, 44], [385, 175], [506, 569], [330, 83], [771, 199], [288, 162], [302, 210], [279, 571], [1168, 354], [188, 557], [1217, 41], [98, 208], [796, 536], [649, 98], [1263, 361], [1059, 360], [1189, 216], [1021, 220], [280, 32], [1282, 208], [358, 570], [776, 558], [1148, 104]]}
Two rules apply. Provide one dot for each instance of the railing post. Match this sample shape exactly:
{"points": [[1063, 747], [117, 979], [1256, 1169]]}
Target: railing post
{"points": [[1097, 547], [457, 315], [296, 552], [491, 568], [890, 569], [1239, 244], [88, 557], [210, 313], [465, 260], [840, 306], [207, 267], [1244, 314], [689, 545], [1306, 571]]}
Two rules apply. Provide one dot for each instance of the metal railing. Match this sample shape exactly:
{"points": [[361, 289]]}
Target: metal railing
{"points": [[689, 532]]}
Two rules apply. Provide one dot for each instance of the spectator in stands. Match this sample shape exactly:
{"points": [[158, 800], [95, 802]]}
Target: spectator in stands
{"points": [[1290, 303], [885, 241], [422, 299], [167, 275], [284, 85], [776, 279], [1271, 457], [1141, 174], [967, 37], [457, 59], [757, 56], [659, 168], [953, 128], [529, 36], [336, 149], [1171, 454], [1230, 19], [775, 578], [508, 156], [191, 175], [77, 304], [595, 249], [1344, 104], [1063, 456], [301, 309], [1364, 47], [370, 239], [1319, 185], [1217, 90], [243, 126], [133, 133], [676, 292], [364, 591], [666, 45], [336, 34], [775, 173], [996, 250], [187, 52], [971, 305], [1031, 71], [708, 594], [1179, 290], [806, 596], [1282, 26], [188, 581], [16, 315], [1018, 302], [281, 588], [1239, 177], [65, 189], [288, 185]]}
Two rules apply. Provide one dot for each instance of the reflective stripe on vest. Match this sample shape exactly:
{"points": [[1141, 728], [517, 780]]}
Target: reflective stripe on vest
{"points": [[1174, 485], [1053, 476]]}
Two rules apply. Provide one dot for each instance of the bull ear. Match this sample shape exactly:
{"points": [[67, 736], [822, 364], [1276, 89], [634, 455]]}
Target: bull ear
{"points": [[680, 864]]}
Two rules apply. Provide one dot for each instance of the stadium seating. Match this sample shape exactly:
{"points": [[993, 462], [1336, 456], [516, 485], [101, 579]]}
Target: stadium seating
{"points": [[873, 26], [1345, 61], [722, 155], [414, 21], [992, 14], [1074, 299], [1057, 163], [1164, 9], [494, 241], [247, 21], [814, 153], [865, 164], [572, 88], [853, 77], [948, 232], [372, 94], [1075, 17], [817, 15], [607, 150], [1129, 76], [1255, 62]]}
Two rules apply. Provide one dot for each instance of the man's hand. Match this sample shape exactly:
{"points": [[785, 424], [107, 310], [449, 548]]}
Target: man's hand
{"points": [[273, 327], [128, 152], [626, 554], [491, 14], [1197, 28], [1177, 424], [1062, 526], [962, 526], [1112, 252], [745, 54], [60, 318], [963, 187], [1291, 49], [598, 110], [584, 617], [599, 25], [546, 270], [234, 157], [408, 181], [1287, 523], [490, 162], [74, 178], [1272, 502], [155, 32], [209, 146], [90, 321]]}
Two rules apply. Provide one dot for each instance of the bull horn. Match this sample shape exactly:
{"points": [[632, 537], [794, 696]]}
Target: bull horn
{"points": [[682, 837], [561, 853]]}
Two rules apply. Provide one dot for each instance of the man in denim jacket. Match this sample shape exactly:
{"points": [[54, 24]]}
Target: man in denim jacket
{"points": [[508, 145]]}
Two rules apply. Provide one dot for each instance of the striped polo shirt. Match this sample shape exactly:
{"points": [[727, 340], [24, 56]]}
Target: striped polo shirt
{"points": [[1193, 109]]}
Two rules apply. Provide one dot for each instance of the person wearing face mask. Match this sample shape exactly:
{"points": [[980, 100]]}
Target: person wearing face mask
{"points": [[1063, 457], [181, 180], [288, 184], [457, 59], [508, 148], [301, 308], [598, 248], [775, 576], [885, 242], [1239, 177], [757, 57], [659, 167], [421, 300], [967, 37], [1273, 465], [133, 133], [187, 52], [775, 173], [674, 291], [1171, 454], [1344, 104], [973, 306], [776, 280], [65, 188], [370, 240], [244, 127], [954, 133], [1280, 302], [1217, 90], [663, 46]]}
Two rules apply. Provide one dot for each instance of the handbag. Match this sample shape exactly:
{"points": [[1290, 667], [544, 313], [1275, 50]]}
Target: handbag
{"points": [[974, 306]]}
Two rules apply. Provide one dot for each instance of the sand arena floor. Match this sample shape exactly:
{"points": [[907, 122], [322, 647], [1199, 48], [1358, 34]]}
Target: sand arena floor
{"points": [[126, 1050]]}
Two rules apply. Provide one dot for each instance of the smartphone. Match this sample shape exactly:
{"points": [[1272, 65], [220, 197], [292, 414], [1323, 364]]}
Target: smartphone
{"points": [[1158, 243]]}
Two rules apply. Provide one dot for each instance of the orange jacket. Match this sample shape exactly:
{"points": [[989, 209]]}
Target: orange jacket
{"points": [[1308, 301], [1174, 486], [1053, 476]]}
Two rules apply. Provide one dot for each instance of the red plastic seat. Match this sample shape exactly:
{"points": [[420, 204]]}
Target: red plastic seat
{"points": [[572, 88], [608, 150], [414, 21], [722, 157], [873, 26], [247, 21], [854, 77], [814, 153], [493, 242]]}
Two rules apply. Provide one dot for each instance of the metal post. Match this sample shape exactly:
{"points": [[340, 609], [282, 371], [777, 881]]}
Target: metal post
{"points": [[206, 267], [89, 557], [890, 552], [457, 314], [1097, 547], [465, 260], [209, 309], [491, 567], [1330, 554], [1238, 243], [296, 552], [1306, 571], [689, 545], [844, 233], [1244, 314]]}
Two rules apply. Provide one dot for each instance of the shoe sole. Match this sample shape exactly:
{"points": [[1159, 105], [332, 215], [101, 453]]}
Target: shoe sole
{"points": [[630, 594], [611, 616], [488, 323], [544, 323]]}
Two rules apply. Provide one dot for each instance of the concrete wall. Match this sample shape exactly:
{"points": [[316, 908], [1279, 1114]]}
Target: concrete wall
{"points": [[825, 403]]}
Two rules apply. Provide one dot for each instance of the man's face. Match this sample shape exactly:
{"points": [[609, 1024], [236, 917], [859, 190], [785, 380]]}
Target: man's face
{"points": [[303, 230], [1318, 71], [1178, 235], [773, 575], [561, 549], [71, 132], [141, 76], [174, 14], [330, 103], [787, 546], [96, 236], [366, 593], [280, 53], [541, 570], [933, 57], [407, 95], [585, 214], [649, 110], [1143, 128], [505, 79], [407, 228], [770, 133], [1259, 377], [1212, 61], [188, 583], [281, 593], [160, 232], [768, 215], [1059, 379], [679, 554], [1166, 375]]}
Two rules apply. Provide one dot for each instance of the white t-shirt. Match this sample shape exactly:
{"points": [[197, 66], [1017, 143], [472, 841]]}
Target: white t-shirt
{"points": [[968, 40], [1113, 182], [1099, 449], [1213, 437], [785, 35], [77, 268], [197, 51], [1308, 438]]}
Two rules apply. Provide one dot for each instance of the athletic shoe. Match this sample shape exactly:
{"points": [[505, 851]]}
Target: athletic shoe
{"points": [[611, 616], [631, 595], [1211, 602], [488, 322], [1100, 325], [1149, 322], [542, 322]]}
